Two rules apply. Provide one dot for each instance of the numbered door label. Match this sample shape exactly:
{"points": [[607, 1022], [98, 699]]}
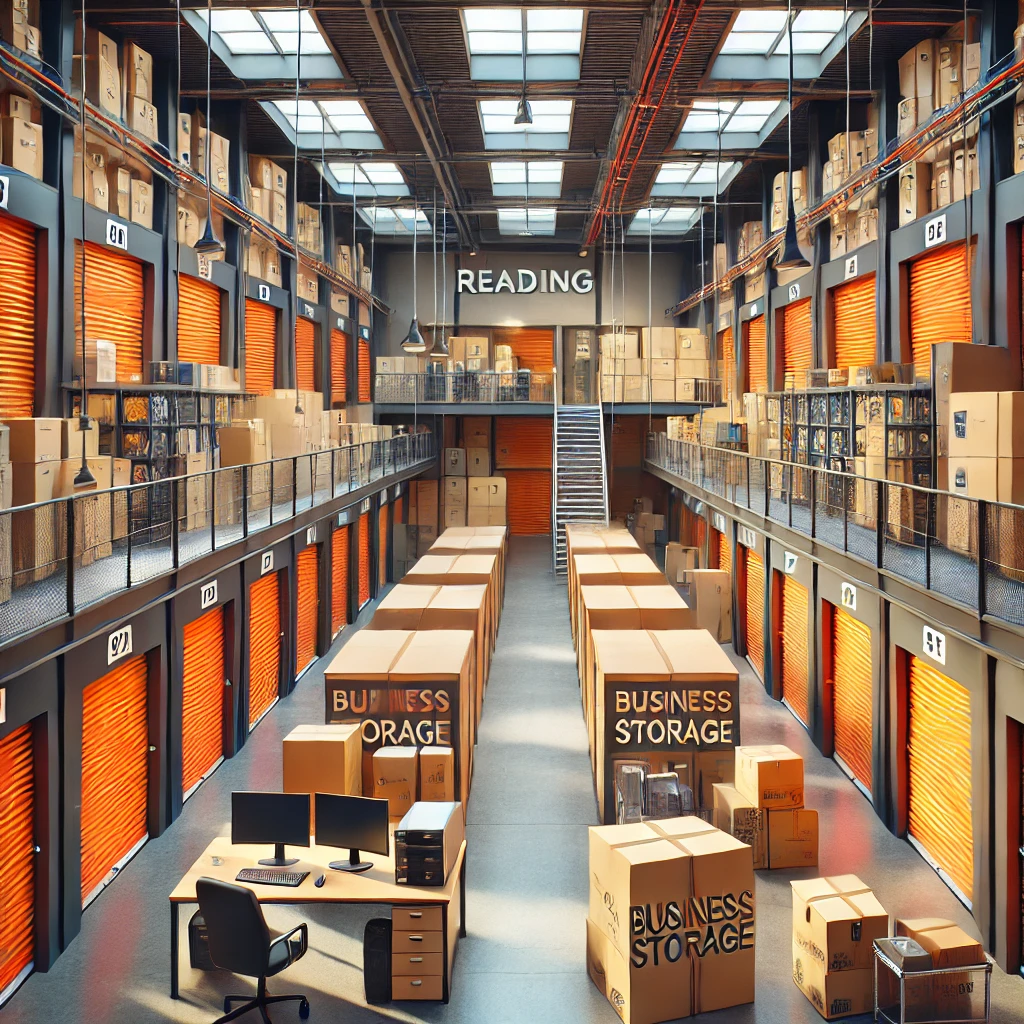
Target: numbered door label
{"points": [[205, 266], [307, 311], [935, 231], [5, 191], [264, 292], [266, 562], [117, 234], [119, 643], [934, 644], [747, 537], [789, 563], [848, 596], [341, 323], [718, 521], [794, 292], [753, 309], [310, 535], [851, 268], [208, 594], [365, 506]]}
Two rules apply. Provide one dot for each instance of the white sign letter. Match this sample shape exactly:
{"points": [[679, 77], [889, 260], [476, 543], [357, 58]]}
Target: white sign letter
{"points": [[484, 281], [524, 276], [583, 281], [466, 281], [505, 281]]}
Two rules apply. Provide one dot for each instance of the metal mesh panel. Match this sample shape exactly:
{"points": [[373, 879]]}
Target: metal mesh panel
{"points": [[1004, 557]]}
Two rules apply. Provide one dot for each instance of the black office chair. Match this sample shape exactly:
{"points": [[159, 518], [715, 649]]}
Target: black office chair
{"points": [[240, 941]]}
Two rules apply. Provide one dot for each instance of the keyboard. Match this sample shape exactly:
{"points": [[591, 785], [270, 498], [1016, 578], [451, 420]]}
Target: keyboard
{"points": [[266, 876]]}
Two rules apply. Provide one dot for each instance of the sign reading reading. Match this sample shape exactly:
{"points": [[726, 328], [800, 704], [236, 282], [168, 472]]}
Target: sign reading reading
{"points": [[525, 282]]}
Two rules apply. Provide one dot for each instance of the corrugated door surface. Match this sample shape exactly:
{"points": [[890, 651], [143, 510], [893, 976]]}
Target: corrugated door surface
{"points": [[797, 343], [853, 329], [533, 347], [528, 501], [727, 353], [754, 569], [363, 369], [198, 321], [382, 545], [522, 442], [115, 769], [264, 645], [364, 558], [724, 552], [305, 354], [339, 367], [940, 303], [757, 354], [339, 579], [795, 608], [17, 322], [202, 706], [700, 537], [307, 605], [851, 694], [114, 301], [17, 866], [939, 772], [260, 346]]}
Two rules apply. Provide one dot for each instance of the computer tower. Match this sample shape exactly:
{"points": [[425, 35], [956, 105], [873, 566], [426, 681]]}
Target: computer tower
{"points": [[377, 960], [427, 843]]}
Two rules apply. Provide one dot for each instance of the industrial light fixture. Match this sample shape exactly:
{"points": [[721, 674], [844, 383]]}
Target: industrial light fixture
{"points": [[524, 115], [209, 243], [583, 253], [414, 342], [472, 252], [792, 258], [440, 341]]}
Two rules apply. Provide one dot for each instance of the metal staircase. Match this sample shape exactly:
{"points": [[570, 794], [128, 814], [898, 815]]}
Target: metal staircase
{"points": [[579, 481]]}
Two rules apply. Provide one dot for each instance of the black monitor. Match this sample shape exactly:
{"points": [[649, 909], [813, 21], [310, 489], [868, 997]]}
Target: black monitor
{"points": [[352, 823], [278, 818]]}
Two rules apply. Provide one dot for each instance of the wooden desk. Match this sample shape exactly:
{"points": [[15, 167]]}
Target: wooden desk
{"points": [[374, 886]]}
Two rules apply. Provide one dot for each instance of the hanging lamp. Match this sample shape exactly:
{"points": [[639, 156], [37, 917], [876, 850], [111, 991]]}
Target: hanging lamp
{"points": [[441, 342], [414, 342], [792, 257], [210, 243]]}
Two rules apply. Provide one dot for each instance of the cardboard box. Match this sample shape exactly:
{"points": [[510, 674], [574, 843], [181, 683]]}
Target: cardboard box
{"points": [[793, 838], [476, 432], [962, 368], [184, 124], [33, 481], [395, 778], [142, 117], [142, 203], [946, 943], [455, 492], [841, 994], [836, 921], [917, 69], [974, 424], [658, 343], [478, 462], [770, 776], [735, 814], [72, 436], [680, 559], [102, 80], [437, 773], [942, 184], [21, 145], [965, 172], [915, 185], [711, 598], [454, 462], [974, 477], [119, 191], [322, 759], [35, 440], [138, 71]]}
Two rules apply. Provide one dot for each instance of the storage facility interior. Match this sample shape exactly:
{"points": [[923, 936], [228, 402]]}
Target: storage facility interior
{"points": [[551, 474]]}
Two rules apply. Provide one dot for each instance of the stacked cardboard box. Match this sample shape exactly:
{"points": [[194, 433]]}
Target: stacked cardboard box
{"points": [[263, 260], [709, 594], [751, 238], [469, 353], [472, 500], [137, 89], [309, 231], [424, 513], [21, 134], [35, 454], [19, 25], [307, 283]]}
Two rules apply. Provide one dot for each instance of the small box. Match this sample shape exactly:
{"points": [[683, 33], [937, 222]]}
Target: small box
{"points": [[793, 838], [138, 71], [21, 146], [455, 492], [946, 943], [395, 778], [119, 190], [72, 436], [770, 776], [322, 759], [455, 462], [437, 773], [142, 203], [35, 440], [836, 921], [142, 117], [478, 462], [840, 994], [738, 816]]}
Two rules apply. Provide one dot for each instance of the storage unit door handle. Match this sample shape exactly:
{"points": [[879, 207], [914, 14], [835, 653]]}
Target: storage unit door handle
{"points": [[415, 959], [415, 983], [415, 938], [415, 913]]}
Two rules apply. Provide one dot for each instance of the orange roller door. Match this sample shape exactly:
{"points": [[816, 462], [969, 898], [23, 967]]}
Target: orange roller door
{"points": [[533, 347], [114, 302], [305, 354], [17, 321], [260, 346], [727, 353], [797, 343], [364, 558], [528, 502], [363, 370], [700, 537], [17, 866], [853, 327], [795, 607], [382, 545], [339, 579], [198, 321], [756, 354], [724, 552], [115, 770], [851, 694], [522, 442], [202, 704], [339, 367], [399, 509], [940, 303], [307, 605], [939, 772], [754, 569], [264, 645]]}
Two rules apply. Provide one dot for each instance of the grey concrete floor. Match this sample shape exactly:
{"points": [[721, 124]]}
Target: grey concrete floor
{"points": [[523, 960]]}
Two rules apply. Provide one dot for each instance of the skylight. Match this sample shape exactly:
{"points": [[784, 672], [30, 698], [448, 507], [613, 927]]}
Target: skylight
{"points": [[509, 178], [665, 220], [395, 220], [334, 123], [371, 179], [526, 221], [729, 116], [694, 177], [249, 32], [550, 128], [495, 38]]}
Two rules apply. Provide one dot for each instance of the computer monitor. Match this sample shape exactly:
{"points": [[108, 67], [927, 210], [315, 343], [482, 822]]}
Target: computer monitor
{"points": [[278, 818], [354, 823]]}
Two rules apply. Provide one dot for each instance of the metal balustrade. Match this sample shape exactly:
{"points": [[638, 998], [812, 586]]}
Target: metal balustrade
{"points": [[468, 387], [966, 550], [62, 555]]}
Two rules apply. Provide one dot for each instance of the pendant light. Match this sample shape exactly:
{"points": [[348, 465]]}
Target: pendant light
{"points": [[792, 257], [441, 342], [524, 115], [295, 198], [209, 243], [413, 341]]}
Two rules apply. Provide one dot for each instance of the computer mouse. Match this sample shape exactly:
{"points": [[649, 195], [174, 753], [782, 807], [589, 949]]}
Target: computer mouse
{"points": [[320, 881]]}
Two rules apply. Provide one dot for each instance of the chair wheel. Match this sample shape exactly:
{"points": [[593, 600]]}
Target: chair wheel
{"points": [[304, 1009]]}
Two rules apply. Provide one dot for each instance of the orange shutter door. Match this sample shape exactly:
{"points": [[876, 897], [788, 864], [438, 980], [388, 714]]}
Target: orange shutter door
{"points": [[757, 354], [339, 367], [851, 694], [114, 301], [532, 347], [198, 321], [528, 501], [17, 866], [202, 705], [793, 644], [339, 579], [727, 353], [724, 554], [364, 371], [307, 586], [364, 558], [700, 536], [399, 509], [939, 770], [853, 332], [797, 343], [17, 322], [522, 442], [305, 354], [115, 769], [264, 645], [260, 346], [382, 545], [755, 609], [940, 303]]}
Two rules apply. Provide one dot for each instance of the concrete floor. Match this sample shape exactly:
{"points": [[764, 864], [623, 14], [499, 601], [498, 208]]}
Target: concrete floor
{"points": [[523, 960]]}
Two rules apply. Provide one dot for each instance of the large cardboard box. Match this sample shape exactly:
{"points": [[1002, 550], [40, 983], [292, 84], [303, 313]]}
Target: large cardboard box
{"points": [[836, 921], [395, 775], [35, 440], [974, 424], [455, 492], [21, 145], [962, 368], [711, 597], [770, 776], [72, 437], [478, 462], [455, 462], [322, 759], [841, 994]]}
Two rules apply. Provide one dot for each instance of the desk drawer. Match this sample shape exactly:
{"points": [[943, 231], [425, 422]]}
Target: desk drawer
{"points": [[416, 988], [417, 942], [419, 965], [416, 919]]}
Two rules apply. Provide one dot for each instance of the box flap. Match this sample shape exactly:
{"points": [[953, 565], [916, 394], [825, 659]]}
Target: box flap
{"points": [[434, 654], [369, 654], [694, 654], [628, 654]]}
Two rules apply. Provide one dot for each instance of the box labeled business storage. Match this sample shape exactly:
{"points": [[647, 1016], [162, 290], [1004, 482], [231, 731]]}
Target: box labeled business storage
{"points": [[770, 776]]}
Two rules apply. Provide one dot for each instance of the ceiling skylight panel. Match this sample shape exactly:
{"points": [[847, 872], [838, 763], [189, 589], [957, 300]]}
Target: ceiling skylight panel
{"points": [[666, 220], [256, 32], [764, 33], [394, 221], [526, 221]]}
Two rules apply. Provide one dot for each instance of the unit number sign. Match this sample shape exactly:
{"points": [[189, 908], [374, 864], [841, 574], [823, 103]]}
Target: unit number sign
{"points": [[117, 234], [208, 595], [935, 231], [746, 536], [718, 521], [266, 562], [934, 644], [789, 563], [119, 643], [848, 596]]}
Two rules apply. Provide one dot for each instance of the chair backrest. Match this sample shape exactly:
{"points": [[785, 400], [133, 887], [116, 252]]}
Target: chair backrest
{"points": [[238, 934]]}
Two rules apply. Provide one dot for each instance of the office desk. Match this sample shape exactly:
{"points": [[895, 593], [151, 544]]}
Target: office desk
{"points": [[374, 886]]}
